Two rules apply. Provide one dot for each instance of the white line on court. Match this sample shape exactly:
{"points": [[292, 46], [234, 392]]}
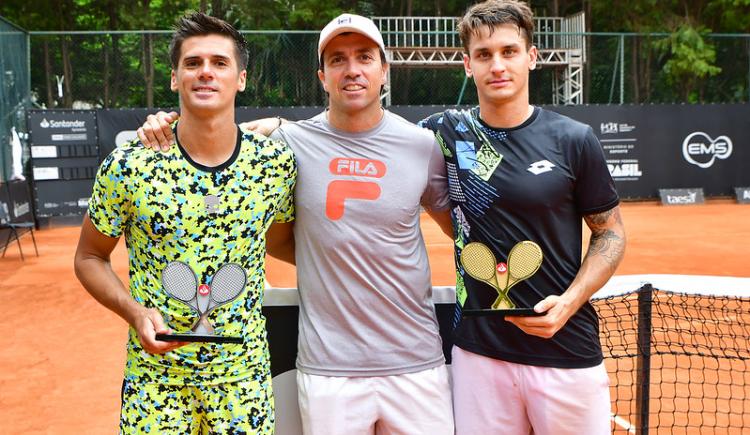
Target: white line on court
{"points": [[623, 423]]}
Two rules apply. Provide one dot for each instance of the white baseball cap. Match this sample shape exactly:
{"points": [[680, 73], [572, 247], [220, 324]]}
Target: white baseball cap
{"points": [[349, 23]]}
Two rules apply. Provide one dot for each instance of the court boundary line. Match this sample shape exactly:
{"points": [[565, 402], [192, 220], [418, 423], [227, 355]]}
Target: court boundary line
{"points": [[623, 423]]}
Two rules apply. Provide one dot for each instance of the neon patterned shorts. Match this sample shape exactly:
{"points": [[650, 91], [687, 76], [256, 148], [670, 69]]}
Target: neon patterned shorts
{"points": [[233, 408]]}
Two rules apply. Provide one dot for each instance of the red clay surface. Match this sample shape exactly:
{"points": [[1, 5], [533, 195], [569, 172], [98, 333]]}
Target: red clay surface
{"points": [[62, 354]]}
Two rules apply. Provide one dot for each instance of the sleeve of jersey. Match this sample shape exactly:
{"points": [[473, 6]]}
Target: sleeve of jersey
{"points": [[428, 123], [595, 188], [109, 205], [288, 167], [436, 195]]}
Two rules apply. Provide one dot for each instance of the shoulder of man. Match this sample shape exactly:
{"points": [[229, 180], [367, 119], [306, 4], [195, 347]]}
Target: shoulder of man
{"points": [[302, 127], [571, 127], [130, 154], [411, 129], [273, 146], [447, 117]]}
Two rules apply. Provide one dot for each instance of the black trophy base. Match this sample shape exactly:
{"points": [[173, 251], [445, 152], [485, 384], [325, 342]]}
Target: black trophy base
{"points": [[198, 338], [525, 312]]}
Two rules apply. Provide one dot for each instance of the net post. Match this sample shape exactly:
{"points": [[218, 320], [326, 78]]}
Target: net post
{"points": [[643, 376]]}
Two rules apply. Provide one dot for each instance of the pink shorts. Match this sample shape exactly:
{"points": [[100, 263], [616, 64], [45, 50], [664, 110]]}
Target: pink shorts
{"points": [[494, 396], [409, 404]]}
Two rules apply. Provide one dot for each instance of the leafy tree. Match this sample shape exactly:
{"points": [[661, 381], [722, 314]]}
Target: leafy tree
{"points": [[124, 70], [689, 60]]}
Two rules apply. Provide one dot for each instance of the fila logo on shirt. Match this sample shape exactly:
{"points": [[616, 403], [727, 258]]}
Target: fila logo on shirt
{"points": [[341, 190], [540, 167], [364, 167]]}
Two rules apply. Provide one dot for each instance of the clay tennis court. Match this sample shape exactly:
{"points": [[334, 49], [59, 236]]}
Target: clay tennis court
{"points": [[62, 354]]}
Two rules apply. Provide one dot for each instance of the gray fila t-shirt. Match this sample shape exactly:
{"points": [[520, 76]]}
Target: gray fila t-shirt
{"points": [[366, 304]]}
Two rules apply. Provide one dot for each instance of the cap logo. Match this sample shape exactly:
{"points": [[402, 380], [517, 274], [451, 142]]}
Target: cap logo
{"points": [[344, 20]]}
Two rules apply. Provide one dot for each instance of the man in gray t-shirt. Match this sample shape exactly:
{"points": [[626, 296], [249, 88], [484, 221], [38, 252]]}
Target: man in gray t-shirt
{"points": [[370, 357], [362, 266]]}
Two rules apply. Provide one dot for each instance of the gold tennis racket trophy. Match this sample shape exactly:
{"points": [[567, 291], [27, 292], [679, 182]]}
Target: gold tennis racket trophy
{"points": [[181, 283], [524, 261]]}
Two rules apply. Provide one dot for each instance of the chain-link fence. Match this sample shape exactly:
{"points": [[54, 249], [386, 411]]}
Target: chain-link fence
{"points": [[14, 87], [131, 69]]}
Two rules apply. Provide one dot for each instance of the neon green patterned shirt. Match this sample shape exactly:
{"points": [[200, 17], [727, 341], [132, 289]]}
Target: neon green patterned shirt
{"points": [[170, 208]]}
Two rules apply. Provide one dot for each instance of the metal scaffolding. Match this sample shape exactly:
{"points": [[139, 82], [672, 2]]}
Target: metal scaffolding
{"points": [[433, 42]]}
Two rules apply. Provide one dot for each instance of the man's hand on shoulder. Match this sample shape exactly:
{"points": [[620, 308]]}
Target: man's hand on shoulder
{"points": [[264, 126], [156, 132]]}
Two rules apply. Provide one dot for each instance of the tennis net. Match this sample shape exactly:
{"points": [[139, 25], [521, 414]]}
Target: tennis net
{"points": [[677, 354]]}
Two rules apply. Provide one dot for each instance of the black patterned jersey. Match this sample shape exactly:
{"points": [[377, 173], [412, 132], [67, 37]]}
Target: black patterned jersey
{"points": [[172, 209], [532, 182]]}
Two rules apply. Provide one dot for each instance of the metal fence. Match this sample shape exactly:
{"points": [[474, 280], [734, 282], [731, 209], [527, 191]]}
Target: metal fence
{"points": [[14, 90], [131, 69]]}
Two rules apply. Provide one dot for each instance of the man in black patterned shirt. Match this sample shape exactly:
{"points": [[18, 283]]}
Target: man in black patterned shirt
{"points": [[518, 172]]}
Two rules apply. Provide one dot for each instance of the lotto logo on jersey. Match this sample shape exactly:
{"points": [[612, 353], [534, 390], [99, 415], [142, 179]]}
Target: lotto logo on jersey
{"points": [[339, 191], [362, 167]]}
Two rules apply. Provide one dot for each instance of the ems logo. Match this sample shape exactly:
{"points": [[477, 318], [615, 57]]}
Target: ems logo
{"points": [[701, 150], [540, 167]]}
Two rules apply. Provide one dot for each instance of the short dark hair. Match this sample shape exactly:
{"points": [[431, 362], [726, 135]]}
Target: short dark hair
{"points": [[493, 13], [200, 24]]}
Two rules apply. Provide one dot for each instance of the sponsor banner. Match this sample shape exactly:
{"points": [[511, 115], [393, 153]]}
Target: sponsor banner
{"points": [[4, 205], [4, 213], [62, 197], [680, 146], [118, 126], [15, 206], [62, 127], [681, 196], [648, 146], [645, 146], [20, 201], [742, 194]]}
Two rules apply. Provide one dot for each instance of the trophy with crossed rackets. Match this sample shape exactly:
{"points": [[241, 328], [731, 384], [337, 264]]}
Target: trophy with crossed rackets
{"points": [[181, 283], [524, 261]]}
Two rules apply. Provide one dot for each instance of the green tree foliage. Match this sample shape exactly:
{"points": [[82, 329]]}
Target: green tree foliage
{"points": [[679, 61], [690, 60]]}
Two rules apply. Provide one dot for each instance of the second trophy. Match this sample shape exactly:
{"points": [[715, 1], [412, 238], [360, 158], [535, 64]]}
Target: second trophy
{"points": [[524, 260]]}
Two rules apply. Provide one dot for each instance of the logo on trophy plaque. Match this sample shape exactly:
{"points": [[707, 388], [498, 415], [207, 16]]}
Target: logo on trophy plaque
{"points": [[524, 260], [181, 283]]}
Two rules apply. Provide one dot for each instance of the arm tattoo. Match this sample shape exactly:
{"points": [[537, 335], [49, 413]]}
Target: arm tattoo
{"points": [[601, 218], [605, 242]]}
